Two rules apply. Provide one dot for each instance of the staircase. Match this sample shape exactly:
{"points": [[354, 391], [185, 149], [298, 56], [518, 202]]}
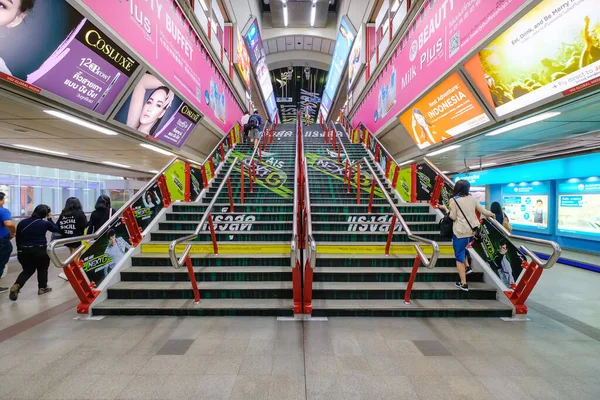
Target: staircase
{"points": [[352, 275], [251, 274]]}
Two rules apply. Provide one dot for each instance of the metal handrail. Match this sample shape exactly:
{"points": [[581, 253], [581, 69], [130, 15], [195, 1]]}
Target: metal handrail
{"points": [[294, 242], [173, 246], [429, 263], [351, 164], [311, 243], [52, 246], [556, 250], [381, 146], [216, 147]]}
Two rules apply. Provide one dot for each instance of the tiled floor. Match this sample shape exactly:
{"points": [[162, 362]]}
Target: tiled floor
{"points": [[548, 357]]}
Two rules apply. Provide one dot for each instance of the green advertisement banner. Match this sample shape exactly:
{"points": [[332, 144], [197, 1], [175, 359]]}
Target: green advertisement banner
{"points": [[404, 183], [175, 176], [146, 208], [268, 176], [197, 182]]}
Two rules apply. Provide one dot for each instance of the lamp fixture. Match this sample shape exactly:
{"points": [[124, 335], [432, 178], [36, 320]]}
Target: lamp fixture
{"points": [[156, 149], [524, 122], [443, 150], [482, 165], [313, 13], [406, 162], [81, 122], [40, 150], [114, 164], [285, 14]]}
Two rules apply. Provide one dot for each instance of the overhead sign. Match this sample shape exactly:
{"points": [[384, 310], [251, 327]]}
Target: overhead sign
{"points": [[557, 43], [154, 110], [442, 33], [50, 48], [159, 31], [448, 110], [357, 57]]}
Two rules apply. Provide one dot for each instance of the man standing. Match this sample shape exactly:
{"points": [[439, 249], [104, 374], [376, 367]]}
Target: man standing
{"points": [[7, 232], [255, 122], [245, 125]]}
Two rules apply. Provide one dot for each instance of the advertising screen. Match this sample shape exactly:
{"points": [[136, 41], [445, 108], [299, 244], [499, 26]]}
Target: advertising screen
{"points": [[448, 110], [578, 205], [526, 206], [559, 54], [343, 43], [243, 59], [50, 47], [442, 33], [357, 57], [154, 110], [160, 33]]}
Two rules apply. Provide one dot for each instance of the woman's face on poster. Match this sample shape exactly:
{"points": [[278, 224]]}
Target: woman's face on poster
{"points": [[420, 120], [10, 16], [154, 108]]}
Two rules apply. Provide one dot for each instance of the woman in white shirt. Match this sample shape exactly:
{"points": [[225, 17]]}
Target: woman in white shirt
{"points": [[465, 220]]}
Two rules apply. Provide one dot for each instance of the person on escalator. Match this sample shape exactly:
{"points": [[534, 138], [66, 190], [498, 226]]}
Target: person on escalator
{"points": [[462, 207]]}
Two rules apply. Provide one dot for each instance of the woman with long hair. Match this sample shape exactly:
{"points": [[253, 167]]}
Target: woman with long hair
{"points": [[72, 222], [31, 248], [101, 214], [462, 211], [427, 133], [145, 115]]}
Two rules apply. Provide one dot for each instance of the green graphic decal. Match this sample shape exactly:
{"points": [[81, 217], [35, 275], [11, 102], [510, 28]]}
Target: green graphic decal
{"points": [[267, 176]]}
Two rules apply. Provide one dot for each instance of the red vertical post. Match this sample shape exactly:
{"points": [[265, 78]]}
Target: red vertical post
{"points": [[308, 284], [213, 235], [187, 194], [230, 194], [135, 232], [437, 190], [297, 287], [339, 155], [371, 196], [222, 150], [204, 176], [346, 171], [395, 179], [348, 177], [413, 184], [358, 183], [164, 190], [411, 281], [388, 165], [390, 234], [212, 168], [84, 290], [190, 268], [242, 184], [377, 152]]}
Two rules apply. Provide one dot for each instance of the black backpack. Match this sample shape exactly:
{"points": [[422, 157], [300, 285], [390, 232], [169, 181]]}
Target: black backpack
{"points": [[446, 224]]}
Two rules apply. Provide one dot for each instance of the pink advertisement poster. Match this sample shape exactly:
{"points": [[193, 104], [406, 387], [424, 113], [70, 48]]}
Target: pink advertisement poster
{"points": [[160, 33], [442, 33]]}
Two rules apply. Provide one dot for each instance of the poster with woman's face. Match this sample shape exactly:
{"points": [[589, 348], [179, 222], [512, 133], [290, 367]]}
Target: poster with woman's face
{"points": [[49, 46], [154, 110]]}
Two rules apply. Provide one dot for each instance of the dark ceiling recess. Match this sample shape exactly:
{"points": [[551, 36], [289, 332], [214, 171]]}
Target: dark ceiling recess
{"points": [[267, 4]]}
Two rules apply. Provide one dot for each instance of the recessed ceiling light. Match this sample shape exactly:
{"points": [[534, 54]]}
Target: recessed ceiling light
{"points": [[81, 122], [445, 172], [406, 162], [114, 164], [313, 13], [482, 165], [156, 149], [522, 123], [153, 171], [38, 149], [444, 150], [285, 15]]}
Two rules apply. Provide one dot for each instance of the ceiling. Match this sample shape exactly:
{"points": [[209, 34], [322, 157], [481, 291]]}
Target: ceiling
{"points": [[299, 12], [293, 43]]}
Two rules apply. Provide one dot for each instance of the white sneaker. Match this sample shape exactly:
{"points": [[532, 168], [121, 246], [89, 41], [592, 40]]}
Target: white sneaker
{"points": [[63, 276]]}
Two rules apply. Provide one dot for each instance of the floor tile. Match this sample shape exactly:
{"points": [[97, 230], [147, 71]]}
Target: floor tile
{"points": [[287, 388], [256, 365], [251, 387]]}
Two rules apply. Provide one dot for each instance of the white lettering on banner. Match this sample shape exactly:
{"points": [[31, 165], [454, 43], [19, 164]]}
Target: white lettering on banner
{"points": [[140, 17], [179, 37], [224, 222], [283, 134], [373, 224]]}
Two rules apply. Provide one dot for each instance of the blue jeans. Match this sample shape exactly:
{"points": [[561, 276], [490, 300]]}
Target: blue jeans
{"points": [[6, 249]]}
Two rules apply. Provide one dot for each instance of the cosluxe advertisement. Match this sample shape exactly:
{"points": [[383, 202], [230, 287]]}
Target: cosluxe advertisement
{"points": [[160, 33], [49, 46], [442, 33], [154, 110], [559, 54]]}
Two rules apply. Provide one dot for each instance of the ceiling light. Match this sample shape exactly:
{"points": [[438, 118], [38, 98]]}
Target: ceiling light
{"points": [[57, 153], [153, 171], [444, 150], [525, 122], [445, 172], [156, 149], [81, 122], [313, 14], [284, 1], [482, 165], [314, 1], [114, 164], [406, 162], [285, 15]]}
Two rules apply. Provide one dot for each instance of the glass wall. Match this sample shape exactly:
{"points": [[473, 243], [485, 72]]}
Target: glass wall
{"points": [[28, 186]]}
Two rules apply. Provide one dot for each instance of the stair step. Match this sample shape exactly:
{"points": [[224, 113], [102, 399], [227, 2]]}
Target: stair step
{"points": [[206, 274], [225, 236], [221, 226], [389, 274], [221, 260]]}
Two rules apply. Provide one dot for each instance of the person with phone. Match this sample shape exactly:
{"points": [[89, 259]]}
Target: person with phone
{"points": [[31, 248]]}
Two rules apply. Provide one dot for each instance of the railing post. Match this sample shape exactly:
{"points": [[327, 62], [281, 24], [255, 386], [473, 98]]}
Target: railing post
{"points": [[377, 152], [204, 176], [339, 154], [390, 234], [371, 196], [358, 183], [222, 151], [188, 182], [349, 176], [190, 268], [411, 281], [135, 232], [413, 188], [437, 190], [164, 190], [395, 179], [388, 165], [308, 284], [230, 194], [346, 171], [297, 287], [212, 168], [213, 235], [523, 289], [242, 183], [83, 289]]}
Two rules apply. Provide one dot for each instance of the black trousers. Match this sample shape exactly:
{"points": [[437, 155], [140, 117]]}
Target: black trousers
{"points": [[33, 259]]}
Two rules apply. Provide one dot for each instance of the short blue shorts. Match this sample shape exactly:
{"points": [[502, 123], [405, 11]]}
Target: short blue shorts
{"points": [[460, 247]]}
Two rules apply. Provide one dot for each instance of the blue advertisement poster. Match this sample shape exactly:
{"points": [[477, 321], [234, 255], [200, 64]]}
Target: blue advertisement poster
{"points": [[578, 205], [343, 44], [526, 205]]}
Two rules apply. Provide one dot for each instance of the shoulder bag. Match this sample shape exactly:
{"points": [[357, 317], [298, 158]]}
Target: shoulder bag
{"points": [[476, 230]]}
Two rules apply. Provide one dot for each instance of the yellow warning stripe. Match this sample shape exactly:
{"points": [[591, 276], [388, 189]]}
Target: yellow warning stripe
{"points": [[241, 248], [376, 249]]}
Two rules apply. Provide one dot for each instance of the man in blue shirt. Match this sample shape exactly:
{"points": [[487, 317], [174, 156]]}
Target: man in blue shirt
{"points": [[7, 232]]}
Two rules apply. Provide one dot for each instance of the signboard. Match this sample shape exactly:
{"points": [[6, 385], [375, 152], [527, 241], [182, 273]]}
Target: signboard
{"points": [[153, 109], [558, 46], [448, 110], [242, 59], [425, 182], [357, 57], [526, 206], [161, 34], [343, 43], [52, 48], [146, 208], [442, 33], [578, 205]]}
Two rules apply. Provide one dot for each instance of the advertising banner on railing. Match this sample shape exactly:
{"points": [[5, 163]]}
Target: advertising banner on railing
{"points": [[161, 34], [106, 252], [175, 176], [197, 182], [148, 206], [500, 254], [559, 54], [48, 46], [154, 110], [425, 182], [404, 183], [447, 111], [443, 33]]}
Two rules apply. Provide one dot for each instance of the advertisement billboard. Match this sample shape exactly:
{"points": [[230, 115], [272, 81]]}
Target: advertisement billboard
{"points": [[343, 44], [357, 57], [448, 110], [160, 33], [559, 54], [526, 206], [49, 47], [441, 34], [242, 59], [578, 205], [154, 110]]}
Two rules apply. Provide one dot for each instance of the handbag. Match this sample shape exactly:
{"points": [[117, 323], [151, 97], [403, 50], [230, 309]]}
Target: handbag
{"points": [[477, 230], [446, 226]]}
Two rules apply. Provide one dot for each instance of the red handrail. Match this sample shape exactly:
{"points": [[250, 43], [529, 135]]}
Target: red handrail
{"points": [[190, 268], [230, 194], [390, 234], [411, 281], [242, 183], [371, 196], [358, 183], [213, 235]]}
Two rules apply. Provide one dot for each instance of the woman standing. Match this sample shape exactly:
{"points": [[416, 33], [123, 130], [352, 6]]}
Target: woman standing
{"points": [[462, 212], [101, 214], [72, 222], [31, 247]]}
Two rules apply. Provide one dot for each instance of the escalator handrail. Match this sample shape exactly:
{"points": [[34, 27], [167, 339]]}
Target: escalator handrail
{"points": [[351, 164], [311, 243]]}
